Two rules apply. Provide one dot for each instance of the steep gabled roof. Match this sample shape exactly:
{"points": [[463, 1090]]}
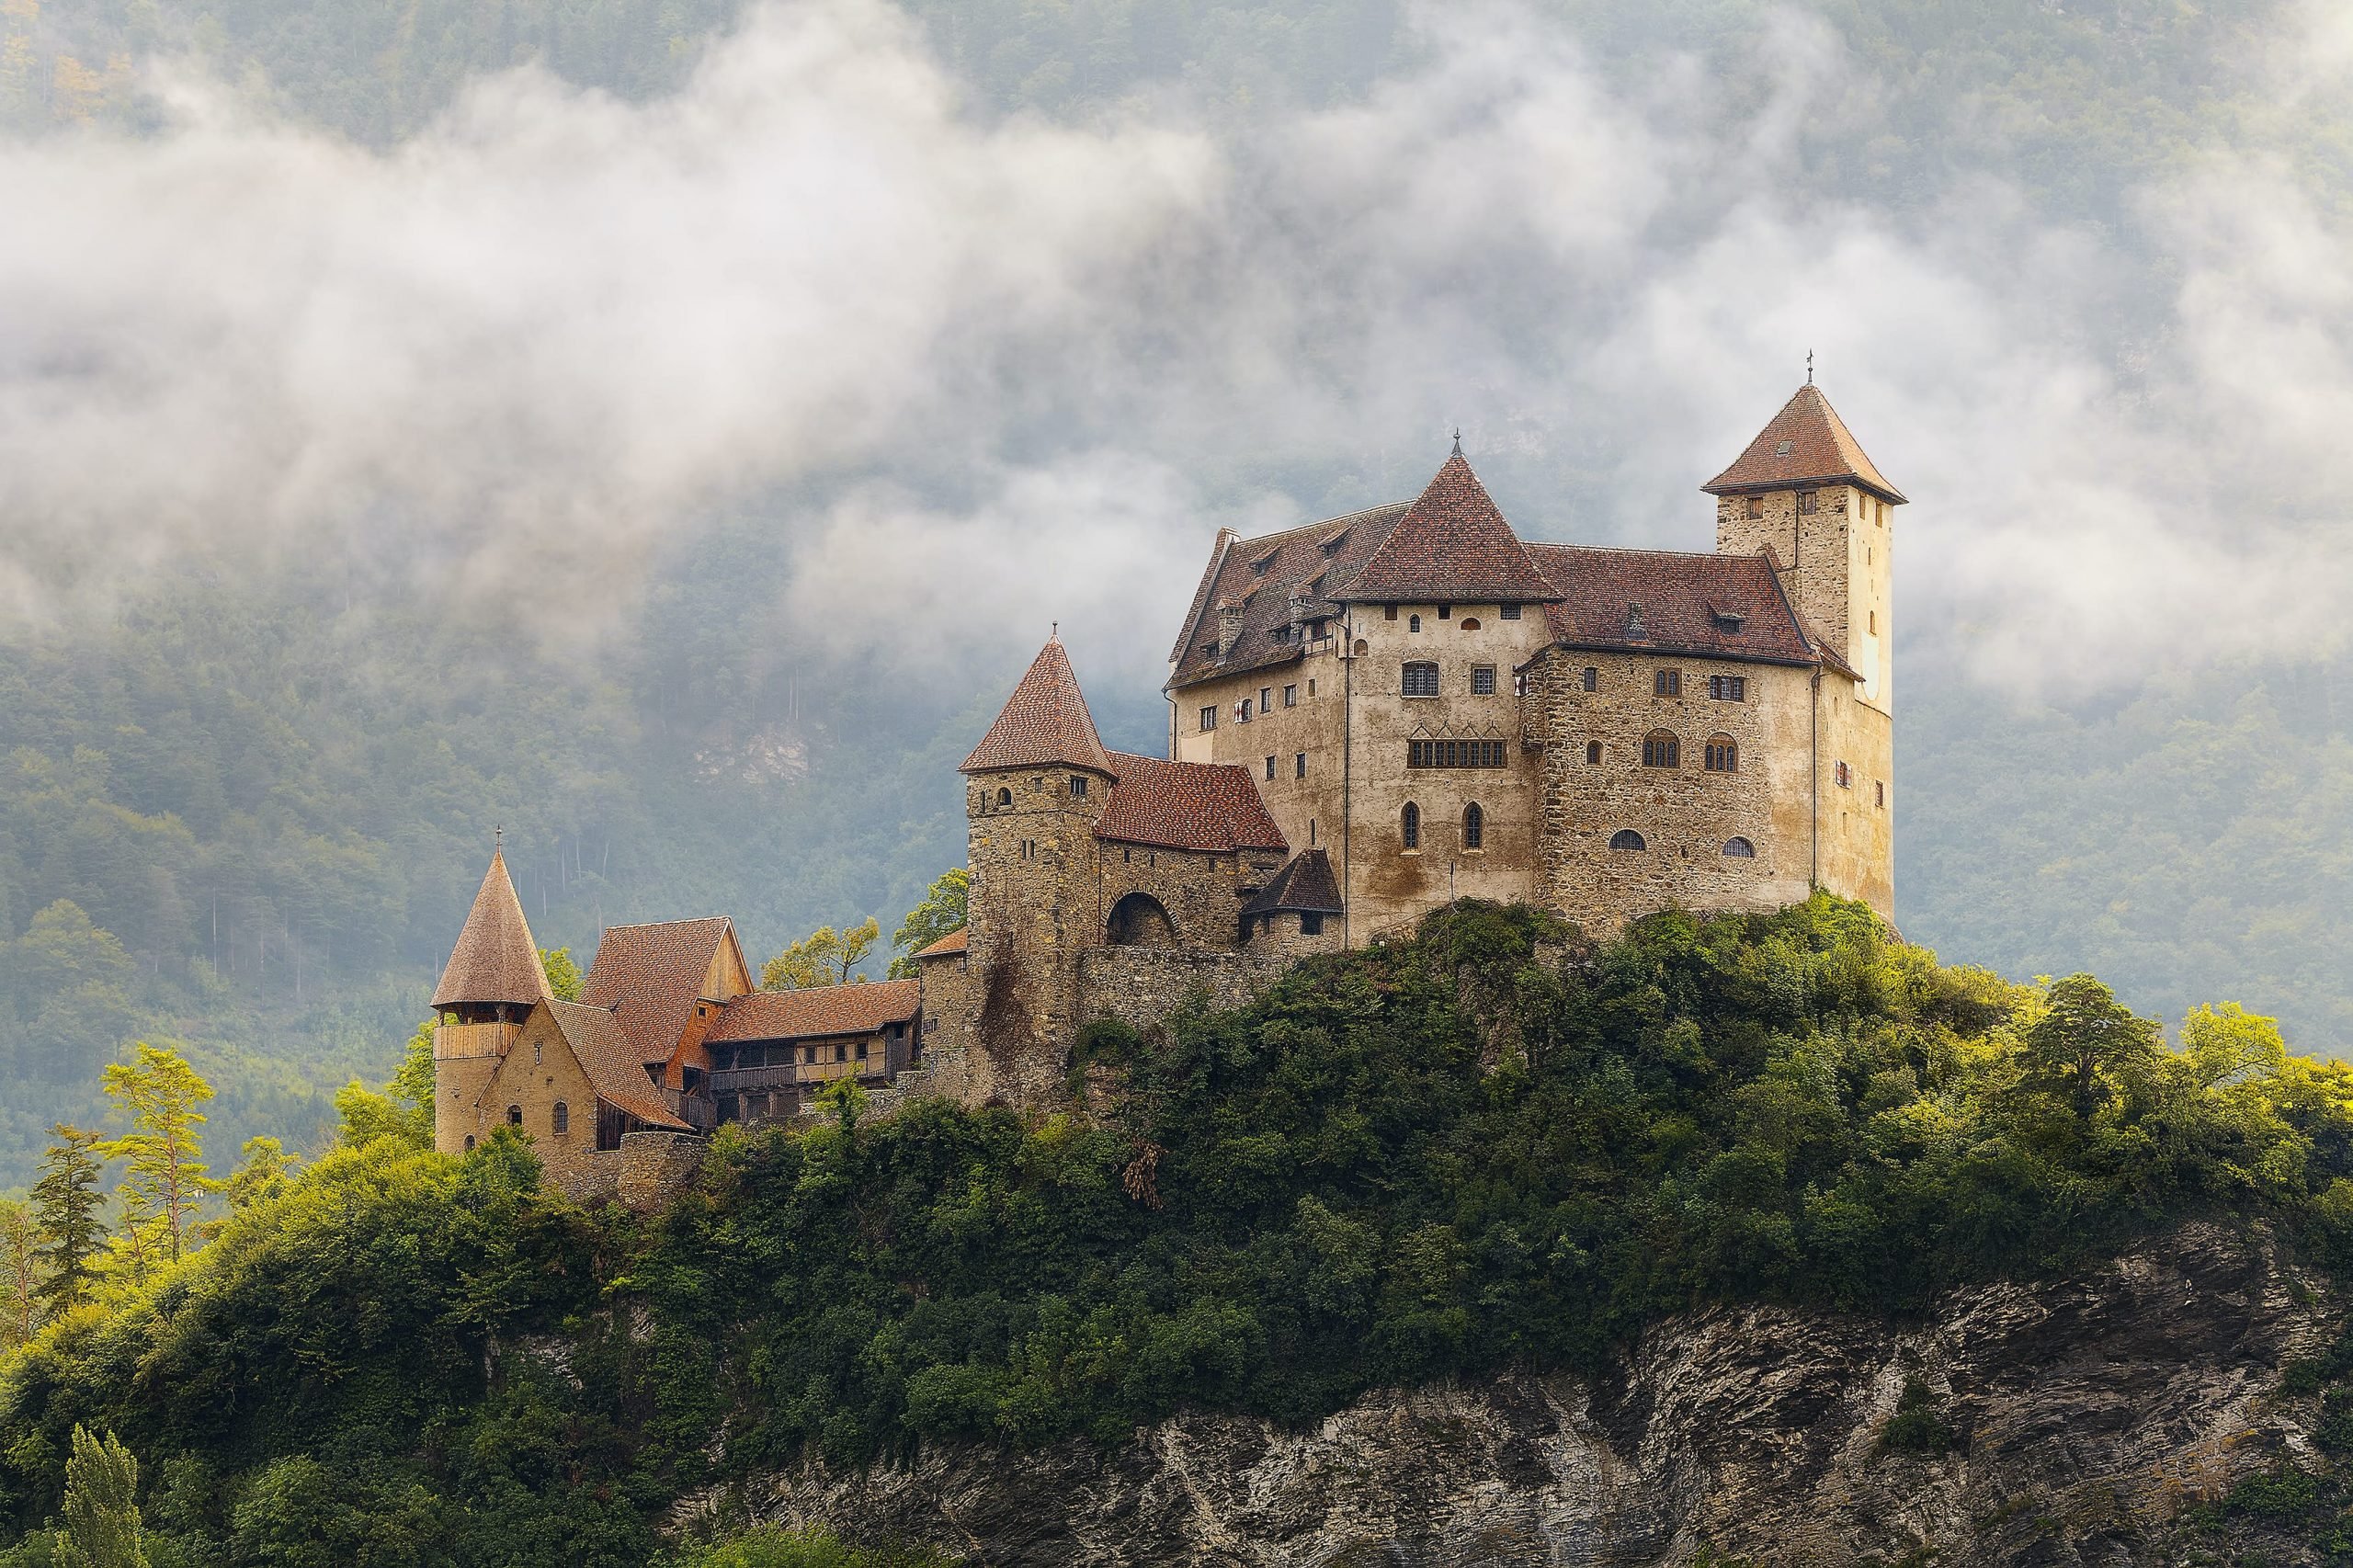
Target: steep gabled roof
{"points": [[495, 960], [654, 974], [1806, 443], [1209, 806], [607, 1055], [1665, 601], [822, 1010], [1305, 882], [1452, 544], [1301, 566], [1045, 721]]}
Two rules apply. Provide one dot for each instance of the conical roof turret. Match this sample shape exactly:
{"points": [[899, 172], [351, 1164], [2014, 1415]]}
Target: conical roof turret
{"points": [[495, 960], [1806, 443], [1044, 721], [1453, 545]]}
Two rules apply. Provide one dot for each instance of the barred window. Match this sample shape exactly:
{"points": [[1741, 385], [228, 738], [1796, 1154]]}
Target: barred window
{"points": [[1740, 849], [1413, 623], [1455, 754], [1474, 826], [1723, 754], [1661, 749], [1078, 786], [1592, 680], [1668, 683], [1627, 839], [1420, 680], [1483, 680], [1728, 688], [1409, 824]]}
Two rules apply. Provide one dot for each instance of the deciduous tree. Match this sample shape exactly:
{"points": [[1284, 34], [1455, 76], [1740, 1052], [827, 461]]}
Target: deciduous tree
{"points": [[159, 1095], [945, 908], [825, 957], [101, 1508]]}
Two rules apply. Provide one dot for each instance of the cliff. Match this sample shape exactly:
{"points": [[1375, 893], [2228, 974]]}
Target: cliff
{"points": [[2113, 1416]]}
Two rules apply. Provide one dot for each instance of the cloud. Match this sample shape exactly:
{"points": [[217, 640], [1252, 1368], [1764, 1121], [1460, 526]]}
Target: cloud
{"points": [[1012, 370]]}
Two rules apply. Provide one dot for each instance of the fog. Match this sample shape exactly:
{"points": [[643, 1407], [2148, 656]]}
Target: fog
{"points": [[997, 373]]}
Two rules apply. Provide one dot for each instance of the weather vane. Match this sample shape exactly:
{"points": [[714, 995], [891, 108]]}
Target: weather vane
{"points": [[1809, 366], [1458, 440]]}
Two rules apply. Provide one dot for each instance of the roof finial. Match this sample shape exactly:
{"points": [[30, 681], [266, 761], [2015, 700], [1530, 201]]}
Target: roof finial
{"points": [[498, 839], [1055, 634], [1458, 440], [1809, 366]]}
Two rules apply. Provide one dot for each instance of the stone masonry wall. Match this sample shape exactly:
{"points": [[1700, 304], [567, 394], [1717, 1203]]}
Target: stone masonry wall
{"points": [[654, 1165], [1140, 986]]}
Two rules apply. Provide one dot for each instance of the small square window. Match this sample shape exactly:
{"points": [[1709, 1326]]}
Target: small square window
{"points": [[1291, 697], [1591, 679], [1809, 500], [1388, 612], [1756, 506], [1483, 680], [1509, 613], [1446, 612], [1310, 924]]}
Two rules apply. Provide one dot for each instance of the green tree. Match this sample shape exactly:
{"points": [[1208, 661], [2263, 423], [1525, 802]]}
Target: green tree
{"points": [[19, 1274], [159, 1095], [404, 1110], [945, 908], [101, 1505], [825, 957], [261, 1175], [564, 975], [2084, 1038], [67, 1203]]}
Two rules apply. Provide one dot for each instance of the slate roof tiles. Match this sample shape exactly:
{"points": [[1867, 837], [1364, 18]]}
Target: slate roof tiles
{"points": [[1305, 882]]}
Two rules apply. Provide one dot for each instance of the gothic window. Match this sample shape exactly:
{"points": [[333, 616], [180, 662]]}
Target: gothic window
{"points": [[1591, 681], [1627, 839], [1667, 683], [1209, 718], [1413, 623], [1004, 797], [562, 1117], [1509, 613], [1420, 680], [1483, 680], [1474, 826], [514, 1116], [1077, 787], [1740, 849], [1593, 754], [1410, 823], [1728, 688], [1661, 749], [1723, 754]]}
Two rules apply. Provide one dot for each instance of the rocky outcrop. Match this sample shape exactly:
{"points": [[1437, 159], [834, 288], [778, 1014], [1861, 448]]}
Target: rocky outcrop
{"points": [[2084, 1420]]}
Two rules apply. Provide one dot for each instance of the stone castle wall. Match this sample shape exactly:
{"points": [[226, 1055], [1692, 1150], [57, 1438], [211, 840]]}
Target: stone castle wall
{"points": [[1140, 986]]}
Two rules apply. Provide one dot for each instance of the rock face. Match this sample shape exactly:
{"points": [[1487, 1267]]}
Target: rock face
{"points": [[2087, 1418]]}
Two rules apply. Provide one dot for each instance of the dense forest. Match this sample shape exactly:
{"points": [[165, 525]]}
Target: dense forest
{"points": [[241, 805], [1491, 1144]]}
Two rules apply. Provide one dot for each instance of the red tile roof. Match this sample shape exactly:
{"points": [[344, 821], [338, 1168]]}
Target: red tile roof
{"points": [[654, 973], [955, 942], [1720, 606], [1186, 805], [1305, 882], [1301, 564], [1452, 544], [822, 1010], [607, 1055], [1044, 721], [495, 960], [1806, 443]]}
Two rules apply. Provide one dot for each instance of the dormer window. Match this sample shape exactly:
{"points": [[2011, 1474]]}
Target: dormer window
{"points": [[1785, 448], [1726, 617]]}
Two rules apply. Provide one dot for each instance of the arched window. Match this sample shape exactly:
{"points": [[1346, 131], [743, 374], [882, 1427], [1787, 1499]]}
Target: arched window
{"points": [[470, 1143], [1593, 754], [1660, 749], [1723, 754], [1413, 623], [1004, 797], [1740, 849], [1419, 680], [1363, 647], [562, 1117], [1410, 822], [1474, 826], [514, 1116], [1627, 839], [1470, 623]]}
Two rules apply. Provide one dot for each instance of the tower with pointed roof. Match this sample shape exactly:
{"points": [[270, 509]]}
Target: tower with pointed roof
{"points": [[491, 982]]}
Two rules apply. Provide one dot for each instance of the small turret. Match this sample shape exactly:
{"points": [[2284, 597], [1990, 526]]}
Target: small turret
{"points": [[494, 973]]}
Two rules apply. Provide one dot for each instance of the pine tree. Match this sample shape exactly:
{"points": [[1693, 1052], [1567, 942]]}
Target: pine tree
{"points": [[101, 1505], [19, 1274], [65, 1208], [166, 1181]]}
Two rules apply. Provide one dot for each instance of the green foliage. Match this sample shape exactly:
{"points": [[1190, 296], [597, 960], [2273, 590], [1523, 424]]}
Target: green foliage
{"points": [[101, 1505], [825, 957], [19, 1274], [66, 1202], [945, 907], [564, 975], [162, 1149], [1918, 1426]]}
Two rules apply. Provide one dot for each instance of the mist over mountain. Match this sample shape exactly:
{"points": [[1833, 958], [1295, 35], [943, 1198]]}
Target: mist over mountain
{"points": [[662, 431]]}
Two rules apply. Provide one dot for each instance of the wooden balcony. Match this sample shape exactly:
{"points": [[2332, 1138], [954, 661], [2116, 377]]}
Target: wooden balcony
{"points": [[756, 1080], [453, 1042]]}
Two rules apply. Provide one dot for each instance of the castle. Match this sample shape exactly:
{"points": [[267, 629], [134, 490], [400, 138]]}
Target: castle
{"points": [[1368, 717]]}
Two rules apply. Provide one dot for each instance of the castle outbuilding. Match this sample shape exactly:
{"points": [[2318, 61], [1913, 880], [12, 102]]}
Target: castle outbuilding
{"points": [[1370, 717]]}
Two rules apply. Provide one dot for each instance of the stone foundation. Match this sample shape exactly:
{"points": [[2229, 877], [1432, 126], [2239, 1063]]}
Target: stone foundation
{"points": [[1140, 986], [655, 1166]]}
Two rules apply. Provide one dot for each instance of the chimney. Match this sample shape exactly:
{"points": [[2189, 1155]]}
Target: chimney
{"points": [[1229, 627]]}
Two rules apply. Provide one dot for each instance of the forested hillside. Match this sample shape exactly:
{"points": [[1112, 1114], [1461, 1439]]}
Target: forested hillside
{"points": [[242, 803]]}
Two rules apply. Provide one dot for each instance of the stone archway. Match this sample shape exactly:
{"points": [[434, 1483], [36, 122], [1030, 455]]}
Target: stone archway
{"points": [[1139, 921]]}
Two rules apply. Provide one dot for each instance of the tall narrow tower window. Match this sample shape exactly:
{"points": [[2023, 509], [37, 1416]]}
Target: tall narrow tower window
{"points": [[1409, 824], [1474, 826]]}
